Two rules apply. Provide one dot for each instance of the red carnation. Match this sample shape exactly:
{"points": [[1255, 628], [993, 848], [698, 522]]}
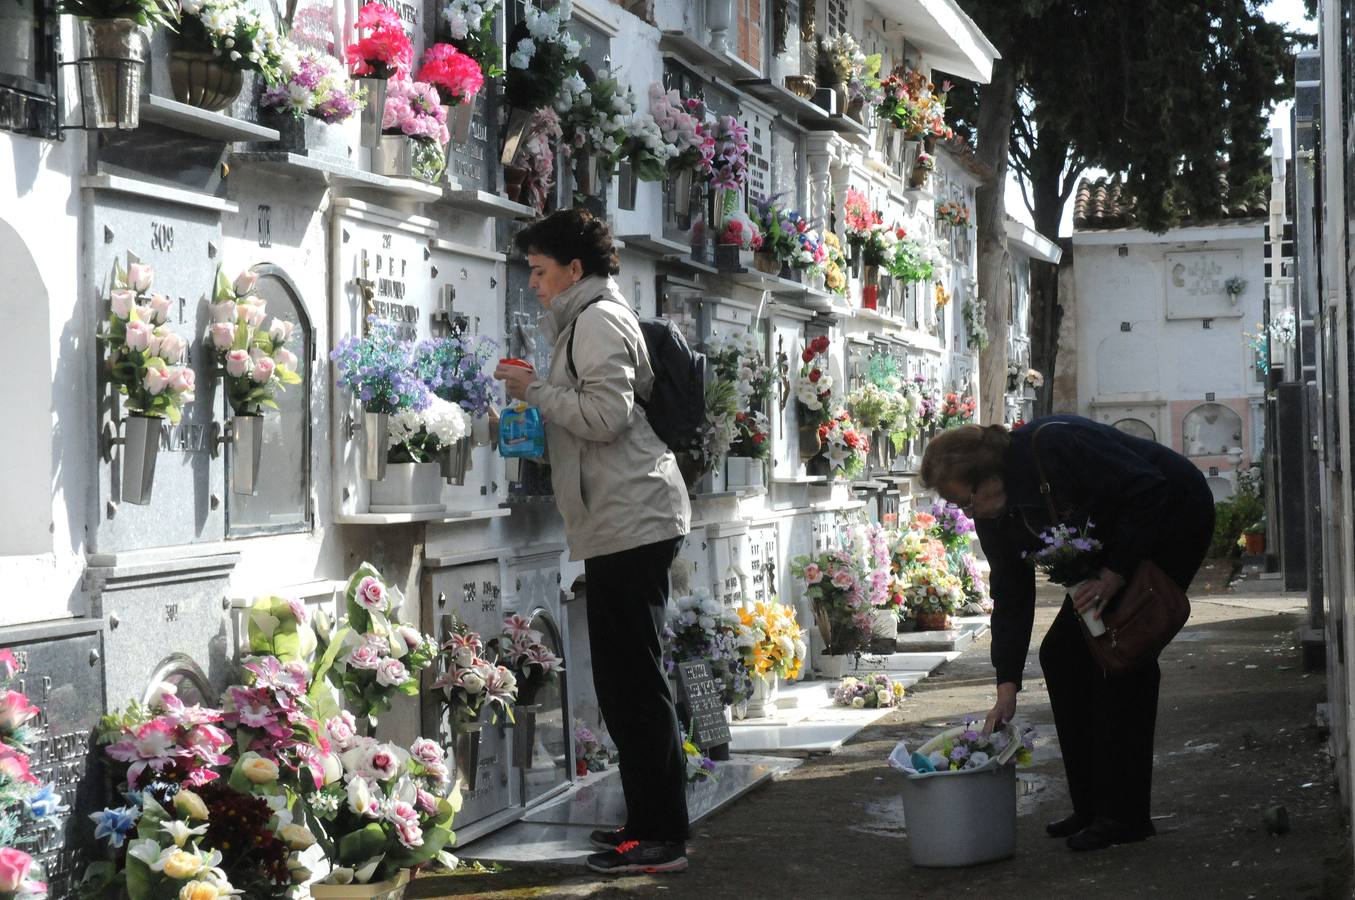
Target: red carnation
{"points": [[815, 374], [807, 356], [739, 417], [759, 438], [820, 344]]}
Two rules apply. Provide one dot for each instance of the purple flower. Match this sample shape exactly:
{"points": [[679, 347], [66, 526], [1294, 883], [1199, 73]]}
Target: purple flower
{"points": [[959, 754]]}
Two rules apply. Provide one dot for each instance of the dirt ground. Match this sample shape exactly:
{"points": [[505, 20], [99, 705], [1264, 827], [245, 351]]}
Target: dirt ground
{"points": [[1237, 735]]}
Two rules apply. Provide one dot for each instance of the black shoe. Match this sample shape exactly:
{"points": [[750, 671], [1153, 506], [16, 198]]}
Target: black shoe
{"points": [[648, 857], [602, 839], [1101, 833], [1067, 826]]}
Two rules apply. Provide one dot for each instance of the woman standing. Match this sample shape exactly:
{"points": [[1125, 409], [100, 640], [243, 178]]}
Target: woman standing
{"points": [[1142, 501], [625, 510]]}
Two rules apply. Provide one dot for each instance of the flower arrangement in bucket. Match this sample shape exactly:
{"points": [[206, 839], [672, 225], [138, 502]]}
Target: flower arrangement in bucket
{"points": [[781, 244], [255, 365], [874, 691], [25, 801], [419, 439], [382, 52], [699, 627], [413, 132], [380, 371], [835, 585], [967, 748], [776, 646], [312, 83], [471, 25], [1069, 556]]}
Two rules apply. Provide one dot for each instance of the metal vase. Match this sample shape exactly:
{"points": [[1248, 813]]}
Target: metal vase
{"points": [[454, 461], [140, 446], [627, 185], [393, 156], [870, 287], [810, 442], [466, 751], [680, 188], [514, 134], [246, 451], [375, 444], [374, 110], [203, 79], [112, 58], [459, 120], [587, 176], [524, 733]]}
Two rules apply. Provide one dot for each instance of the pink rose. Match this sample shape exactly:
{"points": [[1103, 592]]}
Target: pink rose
{"points": [[286, 359], [223, 312], [411, 636], [263, 370], [280, 330], [122, 303], [14, 866], [160, 305], [253, 313], [384, 762], [427, 802], [138, 335], [371, 594], [364, 657], [15, 710], [139, 277], [843, 580], [182, 381], [244, 282], [391, 673], [153, 343], [299, 611], [157, 379], [172, 348], [223, 335], [237, 363], [813, 574], [342, 729], [426, 751]]}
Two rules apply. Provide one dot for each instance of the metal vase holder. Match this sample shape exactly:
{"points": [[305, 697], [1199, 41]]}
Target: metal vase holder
{"points": [[466, 751], [111, 63], [393, 156], [375, 444], [514, 134], [374, 110], [459, 119], [524, 733], [455, 461], [140, 447], [627, 185], [246, 452], [587, 173], [680, 188], [810, 443]]}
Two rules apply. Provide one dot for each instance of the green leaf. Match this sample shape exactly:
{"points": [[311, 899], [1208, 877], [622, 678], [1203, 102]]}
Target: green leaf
{"points": [[241, 336], [287, 376], [357, 847], [223, 289]]}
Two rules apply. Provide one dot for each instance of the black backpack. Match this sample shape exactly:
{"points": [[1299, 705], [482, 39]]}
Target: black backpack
{"points": [[676, 407]]}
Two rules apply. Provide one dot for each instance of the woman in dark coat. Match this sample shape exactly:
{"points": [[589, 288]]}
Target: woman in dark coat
{"points": [[1143, 501]]}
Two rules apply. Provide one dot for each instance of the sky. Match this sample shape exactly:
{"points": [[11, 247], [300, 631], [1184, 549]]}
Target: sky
{"points": [[1289, 12]]}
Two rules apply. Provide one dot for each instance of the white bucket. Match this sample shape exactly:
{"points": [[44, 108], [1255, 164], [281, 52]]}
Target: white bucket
{"points": [[960, 818]]}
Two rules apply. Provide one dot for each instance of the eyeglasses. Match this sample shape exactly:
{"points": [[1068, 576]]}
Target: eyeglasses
{"points": [[969, 502]]}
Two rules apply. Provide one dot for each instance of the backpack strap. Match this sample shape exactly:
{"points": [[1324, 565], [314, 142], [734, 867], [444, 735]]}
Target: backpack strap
{"points": [[573, 326], [1039, 468]]}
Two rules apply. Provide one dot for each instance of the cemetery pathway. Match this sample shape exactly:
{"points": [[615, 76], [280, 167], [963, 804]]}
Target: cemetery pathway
{"points": [[1237, 736]]}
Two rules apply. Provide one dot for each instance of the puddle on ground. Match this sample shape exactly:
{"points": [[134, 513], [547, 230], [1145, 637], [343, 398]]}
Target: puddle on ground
{"points": [[884, 817]]}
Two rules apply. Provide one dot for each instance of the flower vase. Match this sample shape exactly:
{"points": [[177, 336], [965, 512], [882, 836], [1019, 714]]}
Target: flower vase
{"points": [[393, 156], [870, 287], [1089, 616], [375, 444], [627, 185], [724, 203], [454, 461], [407, 488], [855, 108], [832, 665], [203, 79], [839, 89], [140, 447], [524, 733], [810, 442], [917, 179], [815, 280], [762, 704], [742, 472], [514, 134], [932, 621], [719, 15], [514, 182], [391, 889], [374, 109], [111, 62], [680, 189], [879, 443], [884, 630], [587, 174], [246, 451], [767, 263], [466, 751], [459, 118]]}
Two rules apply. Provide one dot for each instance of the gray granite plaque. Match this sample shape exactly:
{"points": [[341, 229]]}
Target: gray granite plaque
{"points": [[702, 697], [469, 164]]}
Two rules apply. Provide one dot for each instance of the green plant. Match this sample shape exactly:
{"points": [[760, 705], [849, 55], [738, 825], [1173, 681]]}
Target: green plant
{"points": [[152, 13], [1231, 518]]}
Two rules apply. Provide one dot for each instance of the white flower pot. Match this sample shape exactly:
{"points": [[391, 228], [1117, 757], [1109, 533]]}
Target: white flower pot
{"points": [[763, 702], [407, 488], [719, 14], [884, 630], [743, 471]]}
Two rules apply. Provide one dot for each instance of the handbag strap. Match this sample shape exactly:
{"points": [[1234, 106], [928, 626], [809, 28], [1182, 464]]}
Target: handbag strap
{"points": [[1039, 469]]}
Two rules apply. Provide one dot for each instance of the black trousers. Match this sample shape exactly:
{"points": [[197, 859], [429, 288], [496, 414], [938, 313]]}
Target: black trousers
{"points": [[627, 602], [1105, 723]]}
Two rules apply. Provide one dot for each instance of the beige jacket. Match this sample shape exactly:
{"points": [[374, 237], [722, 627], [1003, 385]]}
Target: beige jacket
{"points": [[617, 485]]}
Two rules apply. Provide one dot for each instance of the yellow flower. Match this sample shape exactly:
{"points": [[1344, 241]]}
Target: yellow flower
{"points": [[199, 890], [259, 770], [191, 805], [183, 864]]}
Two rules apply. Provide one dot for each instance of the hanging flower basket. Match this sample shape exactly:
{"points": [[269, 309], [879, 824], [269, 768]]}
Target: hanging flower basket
{"points": [[201, 78]]}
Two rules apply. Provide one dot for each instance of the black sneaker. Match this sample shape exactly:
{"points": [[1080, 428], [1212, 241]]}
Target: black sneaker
{"points": [[648, 857], [603, 839]]}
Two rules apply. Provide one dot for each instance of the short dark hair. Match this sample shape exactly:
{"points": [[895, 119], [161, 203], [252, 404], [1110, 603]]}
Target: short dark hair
{"points": [[968, 454], [569, 234]]}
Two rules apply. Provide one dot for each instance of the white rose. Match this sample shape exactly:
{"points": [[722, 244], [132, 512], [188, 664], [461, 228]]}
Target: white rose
{"points": [[473, 683]]}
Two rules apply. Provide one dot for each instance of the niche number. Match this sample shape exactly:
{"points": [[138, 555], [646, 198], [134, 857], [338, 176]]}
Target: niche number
{"points": [[162, 237]]}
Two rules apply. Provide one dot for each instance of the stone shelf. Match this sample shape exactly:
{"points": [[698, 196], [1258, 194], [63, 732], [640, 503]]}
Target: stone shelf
{"points": [[487, 204], [440, 516], [686, 45], [787, 102], [656, 245], [191, 120], [293, 165], [687, 264], [410, 188], [800, 479], [141, 187], [753, 278]]}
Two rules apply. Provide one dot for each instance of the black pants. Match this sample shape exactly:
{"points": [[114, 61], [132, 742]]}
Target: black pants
{"points": [[1105, 723], [627, 600]]}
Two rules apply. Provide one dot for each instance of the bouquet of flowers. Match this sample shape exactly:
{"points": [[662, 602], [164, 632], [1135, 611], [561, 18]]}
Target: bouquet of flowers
{"points": [[522, 650], [875, 691], [456, 75], [942, 296], [385, 51], [814, 387], [593, 116], [254, 361], [23, 798], [871, 545], [951, 526], [975, 587], [457, 369], [1034, 379], [728, 164], [471, 26], [590, 753], [776, 645], [956, 410], [858, 219], [742, 232], [1283, 329], [380, 370], [953, 213], [836, 586], [680, 123], [374, 656], [835, 265], [469, 681], [392, 809], [780, 234], [911, 102], [917, 547], [910, 261], [418, 436], [718, 432], [845, 445], [975, 313], [737, 357], [864, 82], [752, 435], [932, 589], [539, 63], [145, 359], [165, 741], [650, 155], [970, 750], [875, 407], [543, 131], [701, 628], [837, 58], [414, 109], [700, 767], [809, 253], [929, 400], [1067, 556], [235, 33], [312, 83], [275, 727]]}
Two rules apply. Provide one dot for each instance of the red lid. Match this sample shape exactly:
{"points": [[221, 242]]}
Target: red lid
{"points": [[514, 361]]}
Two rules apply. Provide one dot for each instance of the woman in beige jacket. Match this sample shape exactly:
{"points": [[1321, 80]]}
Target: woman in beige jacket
{"points": [[625, 510]]}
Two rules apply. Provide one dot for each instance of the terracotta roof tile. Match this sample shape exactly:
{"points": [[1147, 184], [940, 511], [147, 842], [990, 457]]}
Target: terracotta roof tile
{"points": [[1105, 203]]}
